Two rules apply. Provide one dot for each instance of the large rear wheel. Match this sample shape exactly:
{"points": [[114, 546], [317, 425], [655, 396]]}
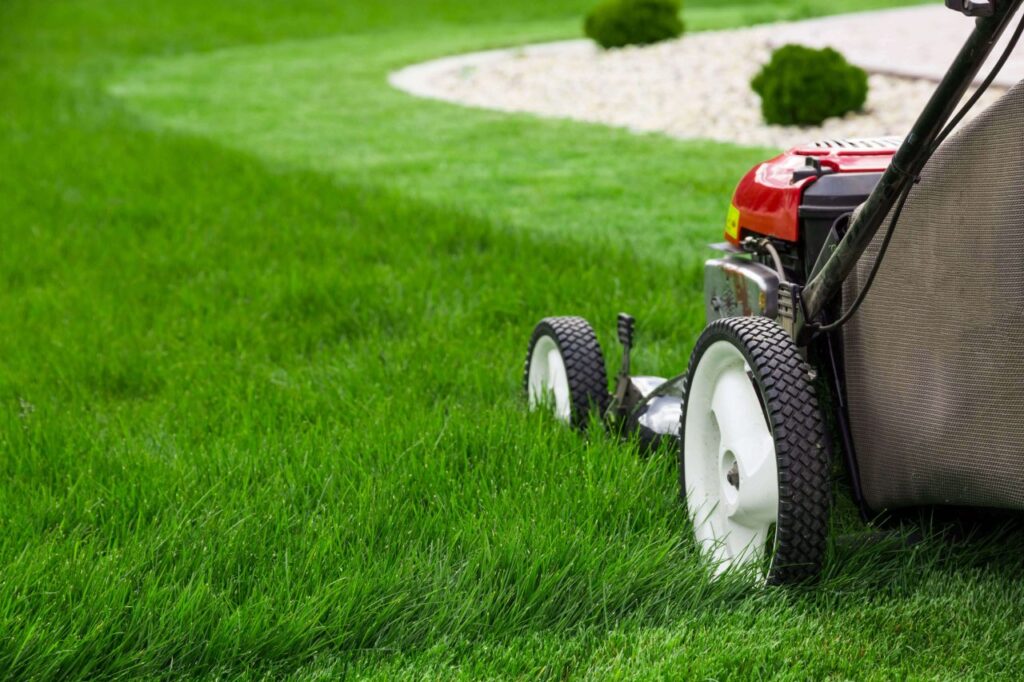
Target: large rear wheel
{"points": [[753, 466]]}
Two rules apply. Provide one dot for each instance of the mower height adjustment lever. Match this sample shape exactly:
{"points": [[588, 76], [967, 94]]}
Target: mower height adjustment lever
{"points": [[626, 326], [626, 395], [973, 8]]}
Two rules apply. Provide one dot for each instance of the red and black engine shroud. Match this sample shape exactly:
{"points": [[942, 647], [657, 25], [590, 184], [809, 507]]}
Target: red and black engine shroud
{"points": [[796, 197], [793, 200]]}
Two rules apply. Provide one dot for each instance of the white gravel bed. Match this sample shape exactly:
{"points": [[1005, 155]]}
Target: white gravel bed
{"points": [[697, 86]]}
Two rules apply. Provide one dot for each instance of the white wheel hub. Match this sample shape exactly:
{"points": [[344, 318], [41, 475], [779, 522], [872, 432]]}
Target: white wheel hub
{"points": [[729, 464], [548, 382]]}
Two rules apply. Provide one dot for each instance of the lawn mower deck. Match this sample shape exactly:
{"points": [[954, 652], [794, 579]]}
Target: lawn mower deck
{"points": [[781, 299]]}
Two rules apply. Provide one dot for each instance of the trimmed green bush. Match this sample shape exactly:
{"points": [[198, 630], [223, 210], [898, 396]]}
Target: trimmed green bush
{"points": [[615, 23], [804, 86]]}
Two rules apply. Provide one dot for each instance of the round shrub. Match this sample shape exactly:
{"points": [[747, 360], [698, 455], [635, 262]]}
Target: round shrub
{"points": [[804, 86], [615, 23]]}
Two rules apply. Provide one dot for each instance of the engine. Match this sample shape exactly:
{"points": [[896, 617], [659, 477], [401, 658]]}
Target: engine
{"points": [[792, 200], [795, 198]]}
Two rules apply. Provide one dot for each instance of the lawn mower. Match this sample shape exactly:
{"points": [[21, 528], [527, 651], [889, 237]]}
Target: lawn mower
{"points": [[917, 385]]}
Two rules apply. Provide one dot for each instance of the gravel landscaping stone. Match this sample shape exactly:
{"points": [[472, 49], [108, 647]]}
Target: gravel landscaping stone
{"points": [[699, 86]]}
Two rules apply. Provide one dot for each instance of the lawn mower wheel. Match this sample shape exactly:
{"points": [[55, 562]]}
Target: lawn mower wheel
{"points": [[753, 463], [565, 370]]}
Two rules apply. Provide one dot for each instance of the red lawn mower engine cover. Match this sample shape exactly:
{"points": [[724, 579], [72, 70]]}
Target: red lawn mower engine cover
{"points": [[797, 196]]}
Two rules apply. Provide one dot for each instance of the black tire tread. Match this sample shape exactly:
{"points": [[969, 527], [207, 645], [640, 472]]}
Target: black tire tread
{"points": [[784, 381], [584, 365]]}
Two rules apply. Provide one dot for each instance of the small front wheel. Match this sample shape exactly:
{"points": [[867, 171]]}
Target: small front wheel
{"points": [[565, 370], [753, 464]]}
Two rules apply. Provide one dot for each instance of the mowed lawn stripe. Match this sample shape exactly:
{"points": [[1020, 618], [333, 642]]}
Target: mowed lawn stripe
{"points": [[326, 105]]}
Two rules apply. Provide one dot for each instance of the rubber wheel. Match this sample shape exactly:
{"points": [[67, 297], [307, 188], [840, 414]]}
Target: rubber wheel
{"points": [[565, 370], [753, 459]]}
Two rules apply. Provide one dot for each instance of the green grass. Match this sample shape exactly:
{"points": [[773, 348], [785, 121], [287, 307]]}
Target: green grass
{"points": [[261, 331], [325, 105]]}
